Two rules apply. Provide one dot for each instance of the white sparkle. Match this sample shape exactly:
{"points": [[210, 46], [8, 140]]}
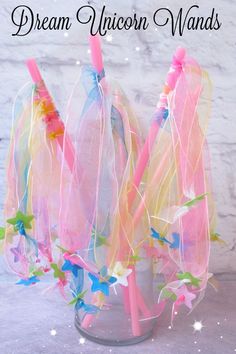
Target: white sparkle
{"points": [[176, 313], [66, 34], [88, 51], [53, 332], [169, 327], [109, 38], [126, 59], [218, 323], [82, 340], [195, 342], [199, 350], [110, 350], [156, 29], [152, 339], [197, 326], [221, 337], [137, 49], [77, 62]]}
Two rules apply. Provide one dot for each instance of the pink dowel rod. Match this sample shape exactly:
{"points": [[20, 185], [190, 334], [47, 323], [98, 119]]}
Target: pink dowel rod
{"points": [[133, 303], [87, 320], [125, 291], [141, 206], [96, 52], [143, 159], [89, 317], [141, 304], [34, 70]]}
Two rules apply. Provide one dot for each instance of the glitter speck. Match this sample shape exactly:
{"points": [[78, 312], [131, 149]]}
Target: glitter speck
{"points": [[137, 49], [221, 337], [66, 34], [126, 59], [53, 332], [169, 327], [218, 323], [82, 340], [199, 350], [197, 326], [109, 38], [176, 313], [77, 62], [88, 51]]}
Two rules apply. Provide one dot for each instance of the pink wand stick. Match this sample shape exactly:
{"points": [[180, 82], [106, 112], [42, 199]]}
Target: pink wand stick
{"points": [[161, 114]]}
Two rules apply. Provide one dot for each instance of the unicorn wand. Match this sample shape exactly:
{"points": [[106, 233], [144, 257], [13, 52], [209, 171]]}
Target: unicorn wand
{"points": [[55, 126], [161, 113]]}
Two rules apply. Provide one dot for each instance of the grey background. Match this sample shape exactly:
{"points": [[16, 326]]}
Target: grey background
{"points": [[141, 75]]}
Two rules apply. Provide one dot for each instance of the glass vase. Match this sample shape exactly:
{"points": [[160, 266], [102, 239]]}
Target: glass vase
{"points": [[126, 315]]}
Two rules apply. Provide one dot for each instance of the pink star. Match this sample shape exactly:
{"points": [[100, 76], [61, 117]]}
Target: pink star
{"points": [[185, 296]]}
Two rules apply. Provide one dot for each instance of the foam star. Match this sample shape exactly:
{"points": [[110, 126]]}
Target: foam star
{"points": [[184, 294], [21, 218], [189, 277], [100, 239], [176, 241], [215, 237], [195, 200], [121, 274], [57, 272], [27, 282], [2, 233], [101, 284], [69, 266]]}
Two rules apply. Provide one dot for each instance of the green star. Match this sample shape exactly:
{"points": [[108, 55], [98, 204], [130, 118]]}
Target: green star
{"points": [[195, 200], [20, 217], [100, 239], [78, 297], [57, 272], [167, 294], [215, 237], [188, 276], [2, 233]]}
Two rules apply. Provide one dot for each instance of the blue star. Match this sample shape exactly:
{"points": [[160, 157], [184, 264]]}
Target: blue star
{"points": [[30, 281], [176, 241], [92, 309], [101, 285], [157, 236], [68, 266]]}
